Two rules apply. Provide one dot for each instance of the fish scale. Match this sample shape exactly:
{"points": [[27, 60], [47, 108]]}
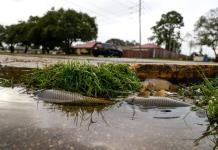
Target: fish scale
{"points": [[61, 97]]}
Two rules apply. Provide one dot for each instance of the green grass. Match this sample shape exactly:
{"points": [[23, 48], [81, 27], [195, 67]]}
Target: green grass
{"points": [[6, 82], [106, 80], [207, 94], [209, 90]]}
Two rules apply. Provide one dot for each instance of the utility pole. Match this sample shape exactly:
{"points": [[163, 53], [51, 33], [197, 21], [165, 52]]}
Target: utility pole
{"points": [[140, 28]]}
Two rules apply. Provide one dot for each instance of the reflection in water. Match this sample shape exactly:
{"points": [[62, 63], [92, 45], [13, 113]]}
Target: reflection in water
{"points": [[201, 113], [211, 133], [80, 114], [26, 126]]}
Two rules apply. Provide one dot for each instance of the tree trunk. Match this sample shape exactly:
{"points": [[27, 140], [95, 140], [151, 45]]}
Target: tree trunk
{"points": [[47, 50], [26, 49], [216, 55], [12, 48], [216, 58], [43, 49], [167, 46]]}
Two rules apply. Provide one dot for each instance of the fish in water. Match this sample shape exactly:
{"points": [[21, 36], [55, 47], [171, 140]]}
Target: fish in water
{"points": [[65, 97], [156, 101]]}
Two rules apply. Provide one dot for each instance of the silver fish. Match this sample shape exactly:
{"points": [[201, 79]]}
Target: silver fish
{"points": [[63, 97], [156, 101]]}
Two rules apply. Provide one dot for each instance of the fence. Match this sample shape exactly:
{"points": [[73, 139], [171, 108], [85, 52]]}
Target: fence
{"points": [[157, 53]]}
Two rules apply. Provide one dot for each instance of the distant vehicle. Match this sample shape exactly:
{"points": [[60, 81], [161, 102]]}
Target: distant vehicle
{"points": [[106, 50]]}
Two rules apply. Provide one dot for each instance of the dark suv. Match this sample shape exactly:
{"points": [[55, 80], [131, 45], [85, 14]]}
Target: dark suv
{"points": [[106, 50]]}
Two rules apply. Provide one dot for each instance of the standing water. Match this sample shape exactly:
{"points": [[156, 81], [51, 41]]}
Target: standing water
{"points": [[30, 124]]}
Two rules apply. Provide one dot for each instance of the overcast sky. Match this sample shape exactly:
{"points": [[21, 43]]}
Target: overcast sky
{"points": [[115, 18]]}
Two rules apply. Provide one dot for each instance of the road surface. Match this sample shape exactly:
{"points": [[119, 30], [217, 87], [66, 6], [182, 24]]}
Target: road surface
{"points": [[33, 61]]}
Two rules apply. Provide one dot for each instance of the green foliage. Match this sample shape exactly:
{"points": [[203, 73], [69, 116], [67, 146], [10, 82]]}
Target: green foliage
{"points": [[206, 30], [2, 30], [209, 89], [107, 80], [166, 31], [6, 82], [55, 29], [119, 42], [210, 92], [207, 95], [10, 34]]}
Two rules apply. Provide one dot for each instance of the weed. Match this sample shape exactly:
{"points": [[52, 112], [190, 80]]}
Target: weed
{"points": [[6, 82], [207, 95], [209, 88]]}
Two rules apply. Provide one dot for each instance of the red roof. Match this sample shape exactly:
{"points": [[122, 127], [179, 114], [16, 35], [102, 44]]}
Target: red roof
{"points": [[148, 46], [86, 45]]}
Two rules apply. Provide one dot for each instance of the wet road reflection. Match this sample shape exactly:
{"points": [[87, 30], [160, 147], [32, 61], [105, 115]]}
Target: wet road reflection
{"points": [[30, 124], [80, 114], [210, 134]]}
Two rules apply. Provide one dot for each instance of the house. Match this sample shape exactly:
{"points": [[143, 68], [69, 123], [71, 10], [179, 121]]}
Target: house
{"points": [[84, 48], [148, 47]]}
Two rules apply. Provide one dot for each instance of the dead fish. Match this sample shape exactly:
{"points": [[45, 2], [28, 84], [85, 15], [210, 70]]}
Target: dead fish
{"points": [[64, 97], [156, 101]]}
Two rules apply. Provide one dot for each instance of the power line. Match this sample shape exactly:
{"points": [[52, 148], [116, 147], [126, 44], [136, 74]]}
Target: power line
{"points": [[106, 18], [89, 10], [130, 2], [121, 3], [98, 7], [121, 12], [109, 18]]}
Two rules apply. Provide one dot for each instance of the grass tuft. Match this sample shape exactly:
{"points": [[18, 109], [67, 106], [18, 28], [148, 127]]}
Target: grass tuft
{"points": [[106, 80], [209, 89]]}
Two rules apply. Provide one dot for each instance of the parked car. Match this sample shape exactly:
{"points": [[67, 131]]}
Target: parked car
{"points": [[106, 50]]}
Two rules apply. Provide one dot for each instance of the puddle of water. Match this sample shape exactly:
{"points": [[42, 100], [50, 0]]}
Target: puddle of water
{"points": [[27, 123]]}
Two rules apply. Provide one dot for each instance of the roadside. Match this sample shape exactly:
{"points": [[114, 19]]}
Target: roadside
{"points": [[33, 61]]}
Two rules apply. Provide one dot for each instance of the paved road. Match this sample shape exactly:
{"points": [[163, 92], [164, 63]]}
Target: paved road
{"points": [[33, 61]]}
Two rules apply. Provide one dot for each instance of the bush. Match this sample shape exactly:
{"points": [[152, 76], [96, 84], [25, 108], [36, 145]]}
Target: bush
{"points": [[106, 80]]}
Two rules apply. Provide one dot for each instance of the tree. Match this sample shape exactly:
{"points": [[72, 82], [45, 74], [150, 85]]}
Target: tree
{"points": [[55, 29], [22, 34], [131, 43], [35, 31], [190, 41], [77, 27], [10, 36], [166, 31], [117, 42], [2, 31], [87, 28], [206, 30], [17, 33], [61, 28]]}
